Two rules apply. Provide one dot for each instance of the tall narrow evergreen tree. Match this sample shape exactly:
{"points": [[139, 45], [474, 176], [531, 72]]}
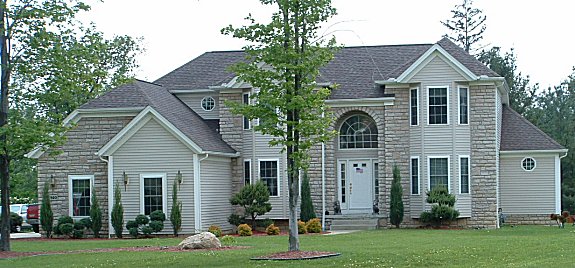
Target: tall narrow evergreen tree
{"points": [[467, 25], [306, 207], [96, 214], [176, 213], [396, 206], [46, 214], [118, 212]]}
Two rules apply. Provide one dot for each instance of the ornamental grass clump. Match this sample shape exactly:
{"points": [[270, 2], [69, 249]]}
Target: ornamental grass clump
{"points": [[272, 229], [245, 230]]}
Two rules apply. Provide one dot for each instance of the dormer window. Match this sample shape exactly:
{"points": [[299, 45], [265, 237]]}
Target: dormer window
{"points": [[208, 103]]}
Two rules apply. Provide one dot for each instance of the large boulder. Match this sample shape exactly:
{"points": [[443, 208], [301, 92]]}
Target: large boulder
{"points": [[201, 240]]}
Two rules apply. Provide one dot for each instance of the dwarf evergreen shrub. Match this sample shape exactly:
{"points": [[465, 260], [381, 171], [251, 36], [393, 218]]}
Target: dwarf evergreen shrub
{"points": [[396, 206], [272, 229], [96, 214], [245, 230], [118, 212], [216, 230], [46, 214], [301, 228], [313, 226], [306, 207]]}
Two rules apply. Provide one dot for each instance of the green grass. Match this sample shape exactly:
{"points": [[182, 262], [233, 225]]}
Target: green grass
{"points": [[507, 247]]}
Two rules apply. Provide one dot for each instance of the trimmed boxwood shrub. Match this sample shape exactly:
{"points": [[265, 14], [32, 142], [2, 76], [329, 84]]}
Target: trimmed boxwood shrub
{"points": [[66, 229], [272, 229], [301, 228], [313, 226], [245, 230], [146, 226]]}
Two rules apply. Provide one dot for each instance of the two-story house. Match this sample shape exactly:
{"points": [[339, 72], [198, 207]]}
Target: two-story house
{"points": [[432, 110]]}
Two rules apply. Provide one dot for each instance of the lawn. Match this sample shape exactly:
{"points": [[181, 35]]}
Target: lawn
{"points": [[521, 246]]}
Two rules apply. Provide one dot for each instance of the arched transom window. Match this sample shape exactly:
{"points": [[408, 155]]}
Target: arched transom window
{"points": [[358, 131]]}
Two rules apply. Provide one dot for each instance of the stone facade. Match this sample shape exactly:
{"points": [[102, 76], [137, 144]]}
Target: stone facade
{"points": [[483, 157], [231, 129], [79, 158], [529, 219]]}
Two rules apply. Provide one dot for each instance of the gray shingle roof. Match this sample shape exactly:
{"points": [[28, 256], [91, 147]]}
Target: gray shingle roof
{"points": [[142, 94], [354, 69], [518, 134]]}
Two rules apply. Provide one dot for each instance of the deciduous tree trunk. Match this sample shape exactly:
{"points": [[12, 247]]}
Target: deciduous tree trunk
{"points": [[4, 160]]}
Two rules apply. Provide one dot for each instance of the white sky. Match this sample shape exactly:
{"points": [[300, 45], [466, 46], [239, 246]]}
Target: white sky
{"points": [[176, 31]]}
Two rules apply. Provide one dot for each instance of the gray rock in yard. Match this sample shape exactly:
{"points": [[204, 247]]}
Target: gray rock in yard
{"points": [[200, 241]]}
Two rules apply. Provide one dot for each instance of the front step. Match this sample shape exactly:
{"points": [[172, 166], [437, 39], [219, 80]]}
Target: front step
{"points": [[354, 222]]}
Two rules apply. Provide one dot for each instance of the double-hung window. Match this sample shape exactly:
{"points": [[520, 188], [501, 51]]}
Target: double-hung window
{"points": [[464, 174], [153, 193], [80, 195], [269, 174], [247, 172], [438, 106], [438, 172], [413, 106], [463, 106], [414, 168]]}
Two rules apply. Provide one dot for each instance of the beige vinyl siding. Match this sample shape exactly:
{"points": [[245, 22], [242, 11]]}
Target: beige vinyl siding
{"points": [[439, 140], [194, 101], [216, 180], [154, 150], [527, 192]]}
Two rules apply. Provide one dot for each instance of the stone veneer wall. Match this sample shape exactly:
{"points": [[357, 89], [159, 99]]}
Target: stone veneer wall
{"points": [[231, 129], [529, 219], [396, 151], [483, 157], [78, 158]]}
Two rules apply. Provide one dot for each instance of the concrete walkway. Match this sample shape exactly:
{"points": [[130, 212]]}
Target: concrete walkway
{"points": [[341, 232], [24, 235]]}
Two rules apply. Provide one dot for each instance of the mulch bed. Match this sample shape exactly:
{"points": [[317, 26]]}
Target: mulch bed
{"points": [[14, 254], [297, 255]]}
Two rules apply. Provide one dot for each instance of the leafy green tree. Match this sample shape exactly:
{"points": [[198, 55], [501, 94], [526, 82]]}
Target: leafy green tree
{"points": [[118, 212], [307, 211], [96, 214], [467, 25], [289, 103], [48, 61], [396, 204], [176, 212], [46, 214], [254, 198]]}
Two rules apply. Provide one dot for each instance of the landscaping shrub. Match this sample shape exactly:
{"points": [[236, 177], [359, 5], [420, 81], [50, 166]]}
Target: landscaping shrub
{"points": [[142, 219], [156, 226], [118, 212], [65, 219], [442, 209], [254, 198], [228, 240], [301, 228], [236, 219], [87, 222], [46, 214], [78, 234], [265, 222], [245, 230], [145, 225], [176, 213], [15, 221], [216, 230], [396, 204], [313, 226], [306, 207], [95, 214], [272, 229], [66, 229]]}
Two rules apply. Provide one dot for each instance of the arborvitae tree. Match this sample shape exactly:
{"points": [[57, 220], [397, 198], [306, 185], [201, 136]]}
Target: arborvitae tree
{"points": [[254, 198], [396, 206], [307, 211], [46, 214], [96, 214], [467, 25], [176, 213], [118, 212]]}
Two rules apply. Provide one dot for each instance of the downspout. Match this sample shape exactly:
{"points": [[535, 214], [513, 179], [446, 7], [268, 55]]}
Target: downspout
{"points": [[558, 182], [198, 192], [110, 163], [323, 182]]}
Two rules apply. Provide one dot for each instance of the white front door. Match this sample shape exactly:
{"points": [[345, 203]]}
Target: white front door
{"points": [[360, 185]]}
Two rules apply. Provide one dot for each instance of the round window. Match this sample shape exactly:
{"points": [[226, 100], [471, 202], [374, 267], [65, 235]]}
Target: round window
{"points": [[208, 103], [528, 164]]}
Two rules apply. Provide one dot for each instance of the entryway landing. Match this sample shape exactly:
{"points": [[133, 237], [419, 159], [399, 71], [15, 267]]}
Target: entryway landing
{"points": [[354, 221]]}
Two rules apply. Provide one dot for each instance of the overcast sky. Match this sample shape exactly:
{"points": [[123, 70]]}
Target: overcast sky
{"points": [[176, 31]]}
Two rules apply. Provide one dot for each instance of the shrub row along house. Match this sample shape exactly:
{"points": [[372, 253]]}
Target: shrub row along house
{"points": [[432, 110]]}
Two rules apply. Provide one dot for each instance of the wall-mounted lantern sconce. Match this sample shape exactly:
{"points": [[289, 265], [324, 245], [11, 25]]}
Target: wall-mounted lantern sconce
{"points": [[179, 177], [52, 181], [125, 176]]}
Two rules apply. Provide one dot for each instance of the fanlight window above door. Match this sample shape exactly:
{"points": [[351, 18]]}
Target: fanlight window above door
{"points": [[358, 132]]}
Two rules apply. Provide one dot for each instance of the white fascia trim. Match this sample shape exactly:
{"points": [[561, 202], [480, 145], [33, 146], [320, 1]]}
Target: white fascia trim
{"points": [[531, 152], [70, 197], [164, 177], [368, 102], [141, 119], [557, 184], [35, 154], [435, 50], [448, 170], [418, 175], [200, 90], [197, 195], [78, 114], [237, 154], [277, 160]]}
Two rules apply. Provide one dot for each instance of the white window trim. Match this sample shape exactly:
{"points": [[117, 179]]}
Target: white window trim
{"points": [[448, 171], [459, 105], [243, 118], [71, 199], [164, 190], [418, 105], [202, 103], [278, 173], [534, 163], [418, 175], [448, 106], [468, 174], [251, 171], [356, 149]]}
